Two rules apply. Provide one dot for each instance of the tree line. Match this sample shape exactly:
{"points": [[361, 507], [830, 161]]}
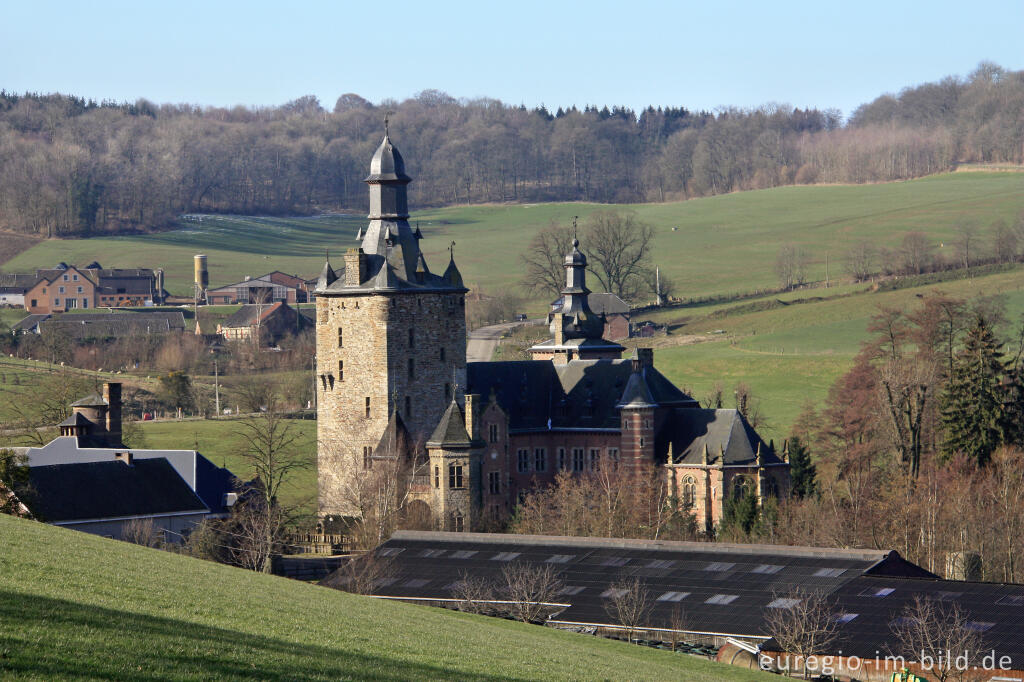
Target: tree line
{"points": [[70, 166]]}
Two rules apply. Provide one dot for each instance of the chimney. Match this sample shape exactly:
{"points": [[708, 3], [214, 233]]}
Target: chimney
{"points": [[124, 457], [355, 267], [473, 415], [112, 394]]}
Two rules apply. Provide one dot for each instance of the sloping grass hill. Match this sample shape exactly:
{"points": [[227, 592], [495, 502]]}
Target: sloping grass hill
{"points": [[716, 245], [76, 606]]}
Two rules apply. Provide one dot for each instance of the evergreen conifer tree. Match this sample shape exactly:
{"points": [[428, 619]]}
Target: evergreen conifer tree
{"points": [[802, 472], [973, 401]]}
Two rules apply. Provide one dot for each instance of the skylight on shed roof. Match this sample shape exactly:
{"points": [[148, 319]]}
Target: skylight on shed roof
{"points": [[878, 592], [572, 589], [463, 553], [505, 556], [978, 626], [719, 566], [1011, 600], [431, 553], [673, 596], [615, 561], [829, 572], [845, 617], [390, 551], [766, 568], [561, 558], [722, 599], [661, 563], [614, 592], [783, 603]]}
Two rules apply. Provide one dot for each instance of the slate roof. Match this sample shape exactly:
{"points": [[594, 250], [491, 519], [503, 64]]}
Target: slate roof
{"points": [[29, 323], [104, 325], [77, 419], [742, 579], [111, 489], [247, 315], [995, 609], [91, 400], [451, 430], [16, 283], [209, 481], [581, 393], [722, 431], [601, 303], [395, 441]]}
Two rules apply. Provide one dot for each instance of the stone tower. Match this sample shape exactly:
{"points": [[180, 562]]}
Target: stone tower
{"points": [[390, 338], [576, 330]]}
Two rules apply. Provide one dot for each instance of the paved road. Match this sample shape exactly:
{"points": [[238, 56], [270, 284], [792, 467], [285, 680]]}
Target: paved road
{"points": [[483, 341]]}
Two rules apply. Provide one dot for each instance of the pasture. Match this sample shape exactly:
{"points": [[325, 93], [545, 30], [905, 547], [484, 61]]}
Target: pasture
{"points": [[78, 606], [721, 245]]}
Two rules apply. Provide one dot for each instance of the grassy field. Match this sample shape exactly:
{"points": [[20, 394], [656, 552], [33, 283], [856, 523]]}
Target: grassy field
{"points": [[77, 606], [221, 442], [792, 352], [723, 244]]}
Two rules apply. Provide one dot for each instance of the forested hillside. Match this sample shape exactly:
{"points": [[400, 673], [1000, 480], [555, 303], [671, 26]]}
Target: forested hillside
{"points": [[69, 166]]}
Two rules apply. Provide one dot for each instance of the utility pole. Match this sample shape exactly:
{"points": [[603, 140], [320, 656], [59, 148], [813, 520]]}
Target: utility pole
{"points": [[826, 269], [216, 387]]}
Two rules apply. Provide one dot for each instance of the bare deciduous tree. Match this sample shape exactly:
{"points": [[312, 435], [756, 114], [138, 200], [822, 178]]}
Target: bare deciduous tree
{"points": [[860, 261], [628, 604], [965, 242], [618, 246], [476, 594], [802, 623], [791, 266], [141, 532], [930, 631], [362, 574], [543, 269], [531, 589], [915, 253]]}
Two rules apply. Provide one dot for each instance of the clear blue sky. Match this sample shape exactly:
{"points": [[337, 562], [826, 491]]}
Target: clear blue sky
{"points": [[696, 54]]}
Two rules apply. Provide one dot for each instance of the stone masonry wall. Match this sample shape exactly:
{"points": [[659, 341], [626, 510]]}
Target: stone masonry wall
{"points": [[375, 351]]}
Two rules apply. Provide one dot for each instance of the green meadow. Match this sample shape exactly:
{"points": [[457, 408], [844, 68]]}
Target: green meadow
{"points": [[721, 245], [80, 607]]}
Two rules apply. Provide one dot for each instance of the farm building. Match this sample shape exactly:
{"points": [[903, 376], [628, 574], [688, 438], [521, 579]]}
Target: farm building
{"points": [[98, 326], [270, 322], [87, 479], [269, 288], [705, 593], [66, 287]]}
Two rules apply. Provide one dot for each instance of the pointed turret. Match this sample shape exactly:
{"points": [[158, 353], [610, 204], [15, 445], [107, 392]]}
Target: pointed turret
{"points": [[451, 430], [575, 319], [327, 275]]}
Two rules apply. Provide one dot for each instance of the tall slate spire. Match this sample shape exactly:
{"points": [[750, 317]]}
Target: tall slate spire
{"points": [[575, 319]]}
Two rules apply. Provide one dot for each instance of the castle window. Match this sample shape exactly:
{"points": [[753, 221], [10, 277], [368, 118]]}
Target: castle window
{"points": [[459, 524], [595, 459], [451, 303], [408, 407], [79, 289], [613, 457], [412, 338], [448, 394], [689, 492], [524, 460], [561, 459], [492, 428], [367, 407], [412, 369], [641, 442], [454, 476], [341, 340], [442, 353], [330, 381], [540, 459], [740, 487], [323, 381], [437, 477], [367, 457], [494, 482], [341, 370], [577, 459]]}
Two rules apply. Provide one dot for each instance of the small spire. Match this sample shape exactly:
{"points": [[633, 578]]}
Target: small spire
{"points": [[451, 250], [387, 117], [705, 454], [575, 237], [359, 235]]}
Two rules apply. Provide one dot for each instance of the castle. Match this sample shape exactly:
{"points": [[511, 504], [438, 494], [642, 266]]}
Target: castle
{"points": [[394, 386]]}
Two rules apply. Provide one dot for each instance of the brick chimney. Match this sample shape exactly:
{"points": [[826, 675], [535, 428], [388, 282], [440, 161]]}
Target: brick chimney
{"points": [[112, 394], [124, 457]]}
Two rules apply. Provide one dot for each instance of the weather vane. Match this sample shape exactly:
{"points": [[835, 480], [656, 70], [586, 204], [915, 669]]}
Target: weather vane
{"points": [[387, 117], [451, 251], [574, 219]]}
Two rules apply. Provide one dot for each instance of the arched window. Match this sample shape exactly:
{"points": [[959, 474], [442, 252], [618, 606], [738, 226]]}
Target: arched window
{"points": [[740, 487], [689, 492]]}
